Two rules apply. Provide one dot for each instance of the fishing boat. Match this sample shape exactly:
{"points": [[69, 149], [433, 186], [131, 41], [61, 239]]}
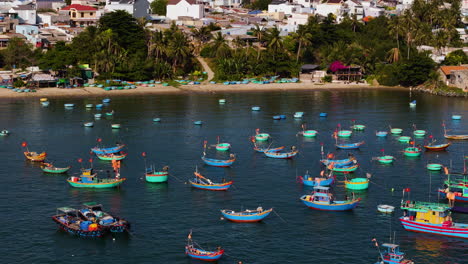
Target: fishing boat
{"points": [[344, 162], [198, 122], [282, 155], [308, 180], [412, 151], [456, 117], [49, 168], [255, 108], [201, 254], [97, 116], [434, 166], [454, 137], [246, 216], [268, 149], [342, 168], [459, 196], [112, 156], [34, 156], [201, 182], [99, 106], [385, 208], [4, 132], [111, 150], [404, 139], [419, 133], [392, 254], [223, 146], [219, 163], [298, 115], [307, 133], [282, 116], [322, 199], [350, 145], [323, 114], [381, 133], [106, 100], [222, 101], [437, 147], [396, 131], [344, 133], [157, 119], [432, 218], [154, 176], [386, 159], [357, 184], [89, 179], [276, 117], [46, 103], [68, 219], [43, 99], [115, 126], [93, 212]]}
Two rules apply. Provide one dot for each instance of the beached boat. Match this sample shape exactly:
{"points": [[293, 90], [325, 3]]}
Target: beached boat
{"points": [[322, 199], [308, 180], [385, 208], [246, 216], [437, 147], [357, 184], [381, 133], [223, 146], [350, 145], [434, 166], [94, 212], [392, 254], [201, 182], [201, 254], [88, 124], [34, 156], [49, 168], [152, 175], [112, 156], [88, 179], [68, 219], [412, 151], [432, 218], [4, 132], [111, 150], [219, 163], [282, 155]]}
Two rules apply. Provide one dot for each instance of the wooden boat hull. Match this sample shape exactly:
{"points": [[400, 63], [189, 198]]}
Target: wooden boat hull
{"points": [[32, 156], [103, 151], [157, 177], [350, 146], [436, 229], [456, 137], [251, 218], [344, 206], [98, 185], [218, 163], [110, 158], [209, 256], [77, 232], [55, 170], [278, 155], [262, 150], [440, 147], [212, 187]]}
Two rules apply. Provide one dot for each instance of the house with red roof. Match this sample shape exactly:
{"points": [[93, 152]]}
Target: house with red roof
{"points": [[81, 15], [184, 8]]}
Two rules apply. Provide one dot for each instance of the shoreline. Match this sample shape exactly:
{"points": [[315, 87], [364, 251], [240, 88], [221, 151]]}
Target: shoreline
{"points": [[84, 92]]}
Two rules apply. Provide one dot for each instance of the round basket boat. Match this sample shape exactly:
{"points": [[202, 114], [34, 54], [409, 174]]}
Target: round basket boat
{"points": [[43, 99], [344, 133], [359, 127], [357, 184], [434, 166], [255, 108], [412, 152], [89, 105], [115, 126], [381, 133], [262, 137], [396, 131], [88, 124], [386, 159], [97, 116], [197, 122], [456, 117], [385, 208], [156, 119], [404, 139], [323, 114], [419, 133], [309, 133], [223, 146], [222, 101]]}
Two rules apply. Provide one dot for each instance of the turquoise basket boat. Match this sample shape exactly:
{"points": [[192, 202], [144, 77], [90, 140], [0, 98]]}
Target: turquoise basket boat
{"points": [[115, 126], [359, 127], [262, 137], [386, 159], [412, 152], [357, 184], [156, 176], [419, 133], [309, 133], [434, 166], [223, 146], [396, 131], [404, 139], [345, 133]]}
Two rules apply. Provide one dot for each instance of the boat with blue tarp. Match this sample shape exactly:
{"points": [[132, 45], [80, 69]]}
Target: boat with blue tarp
{"points": [[69, 220], [93, 212]]}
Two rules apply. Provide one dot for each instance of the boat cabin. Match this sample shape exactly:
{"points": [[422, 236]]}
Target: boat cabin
{"points": [[393, 253], [93, 206], [67, 211], [432, 213], [322, 194]]}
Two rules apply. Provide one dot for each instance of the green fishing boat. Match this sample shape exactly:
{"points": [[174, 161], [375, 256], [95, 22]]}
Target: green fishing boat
{"points": [[338, 168], [49, 168], [88, 179], [396, 131], [262, 137], [110, 157], [419, 133], [359, 127], [154, 176], [344, 133]]}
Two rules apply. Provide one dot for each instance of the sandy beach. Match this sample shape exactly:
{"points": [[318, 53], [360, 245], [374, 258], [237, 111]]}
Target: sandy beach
{"points": [[205, 88]]}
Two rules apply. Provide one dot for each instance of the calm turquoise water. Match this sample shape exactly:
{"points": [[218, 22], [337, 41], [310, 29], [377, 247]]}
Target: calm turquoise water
{"points": [[162, 215]]}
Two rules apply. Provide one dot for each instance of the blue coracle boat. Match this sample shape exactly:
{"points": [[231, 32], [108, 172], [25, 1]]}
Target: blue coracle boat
{"points": [[282, 155], [246, 216], [322, 199]]}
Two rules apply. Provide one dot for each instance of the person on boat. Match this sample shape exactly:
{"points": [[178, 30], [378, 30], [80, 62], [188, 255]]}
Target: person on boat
{"points": [[232, 156], [293, 148], [219, 248], [209, 181], [259, 209]]}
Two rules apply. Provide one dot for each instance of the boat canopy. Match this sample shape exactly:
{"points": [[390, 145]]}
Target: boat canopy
{"points": [[324, 188]]}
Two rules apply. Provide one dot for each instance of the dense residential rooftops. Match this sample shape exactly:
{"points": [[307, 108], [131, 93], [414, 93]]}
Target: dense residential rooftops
{"points": [[175, 2]]}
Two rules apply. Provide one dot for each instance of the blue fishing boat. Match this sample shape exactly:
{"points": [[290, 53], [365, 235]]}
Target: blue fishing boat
{"points": [[99, 106], [283, 116], [276, 117], [350, 145], [219, 163], [391, 254], [282, 155], [308, 180], [322, 199], [344, 162], [323, 114], [343, 168], [111, 150], [201, 182], [246, 216], [201, 254], [381, 133], [267, 149]]}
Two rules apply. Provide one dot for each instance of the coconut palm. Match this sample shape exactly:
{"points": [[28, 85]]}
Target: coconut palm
{"points": [[274, 41], [259, 33], [393, 55], [303, 37]]}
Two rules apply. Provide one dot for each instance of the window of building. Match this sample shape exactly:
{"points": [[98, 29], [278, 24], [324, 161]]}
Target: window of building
{"points": [[73, 14], [82, 14]]}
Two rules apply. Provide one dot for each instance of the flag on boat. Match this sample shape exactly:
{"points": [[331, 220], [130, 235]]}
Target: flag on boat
{"points": [[143, 154], [24, 144]]}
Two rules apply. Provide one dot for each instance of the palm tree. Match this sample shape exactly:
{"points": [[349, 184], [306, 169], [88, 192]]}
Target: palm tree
{"points": [[274, 40], [259, 33], [200, 36], [220, 46], [393, 55], [395, 29], [303, 38], [179, 49]]}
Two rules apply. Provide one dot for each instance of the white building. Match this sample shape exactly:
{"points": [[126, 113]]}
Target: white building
{"points": [[186, 8], [26, 13], [284, 7], [306, 3], [353, 7], [330, 7], [226, 3], [297, 19], [137, 8]]}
